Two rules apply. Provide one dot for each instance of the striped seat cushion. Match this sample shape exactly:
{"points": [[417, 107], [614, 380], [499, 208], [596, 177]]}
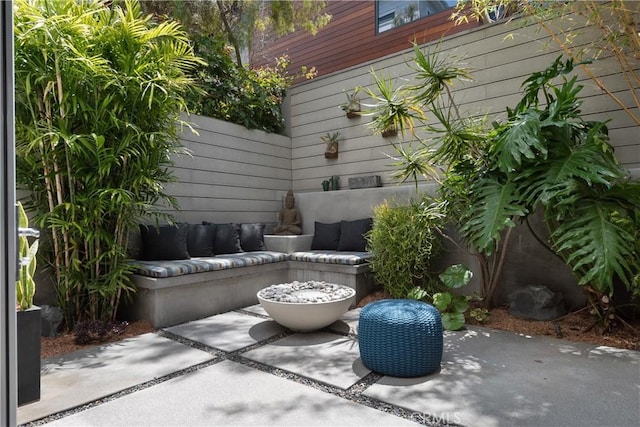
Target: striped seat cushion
{"points": [[162, 269], [332, 257]]}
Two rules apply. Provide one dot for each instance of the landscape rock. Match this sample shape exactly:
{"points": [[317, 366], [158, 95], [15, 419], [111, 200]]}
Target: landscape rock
{"points": [[537, 303]]}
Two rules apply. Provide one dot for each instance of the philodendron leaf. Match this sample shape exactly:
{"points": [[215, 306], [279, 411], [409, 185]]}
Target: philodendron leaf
{"points": [[522, 138], [441, 300], [494, 205], [453, 321], [456, 276]]}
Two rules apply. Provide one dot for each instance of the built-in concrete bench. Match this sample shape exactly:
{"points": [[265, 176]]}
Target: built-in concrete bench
{"points": [[172, 292]]}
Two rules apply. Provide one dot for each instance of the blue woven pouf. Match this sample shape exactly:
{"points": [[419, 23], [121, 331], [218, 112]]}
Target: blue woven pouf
{"points": [[400, 337]]}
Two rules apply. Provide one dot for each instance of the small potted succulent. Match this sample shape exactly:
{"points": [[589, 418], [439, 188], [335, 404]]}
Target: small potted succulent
{"points": [[28, 319], [352, 106], [331, 140]]}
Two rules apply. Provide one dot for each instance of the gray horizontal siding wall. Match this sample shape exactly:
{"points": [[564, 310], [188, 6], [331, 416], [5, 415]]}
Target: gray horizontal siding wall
{"points": [[232, 175], [239, 175], [499, 67]]}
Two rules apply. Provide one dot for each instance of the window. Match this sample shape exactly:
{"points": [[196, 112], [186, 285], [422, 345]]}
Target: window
{"points": [[394, 13]]}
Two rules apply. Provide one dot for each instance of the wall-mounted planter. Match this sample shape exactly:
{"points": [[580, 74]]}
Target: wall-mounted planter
{"points": [[331, 140], [352, 114], [389, 132], [352, 107], [331, 152]]}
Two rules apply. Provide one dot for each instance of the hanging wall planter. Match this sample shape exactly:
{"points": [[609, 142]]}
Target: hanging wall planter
{"points": [[331, 140], [352, 107], [389, 132]]}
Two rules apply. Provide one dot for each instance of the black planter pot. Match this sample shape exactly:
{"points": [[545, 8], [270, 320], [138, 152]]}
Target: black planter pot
{"points": [[29, 328]]}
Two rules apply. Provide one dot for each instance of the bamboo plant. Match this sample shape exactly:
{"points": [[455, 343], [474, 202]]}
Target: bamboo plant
{"points": [[99, 92]]}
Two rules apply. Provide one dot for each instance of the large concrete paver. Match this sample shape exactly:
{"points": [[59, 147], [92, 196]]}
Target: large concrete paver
{"points": [[74, 379], [228, 331], [347, 324], [329, 358], [229, 393], [496, 378]]}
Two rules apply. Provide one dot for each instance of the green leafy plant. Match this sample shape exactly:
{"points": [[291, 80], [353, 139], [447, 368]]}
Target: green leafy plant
{"points": [[242, 23], [352, 106], [223, 33], [96, 331], [332, 141], [247, 97], [404, 240], [611, 27], [479, 314], [26, 286], [99, 93], [544, 157], [452, 307]]}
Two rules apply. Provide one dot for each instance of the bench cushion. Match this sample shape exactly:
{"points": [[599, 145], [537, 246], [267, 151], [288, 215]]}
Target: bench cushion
{"points": [[332, 257], [162, 269]]}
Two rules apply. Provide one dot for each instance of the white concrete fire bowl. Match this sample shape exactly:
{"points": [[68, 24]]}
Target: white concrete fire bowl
{"points": [[306, 306]]}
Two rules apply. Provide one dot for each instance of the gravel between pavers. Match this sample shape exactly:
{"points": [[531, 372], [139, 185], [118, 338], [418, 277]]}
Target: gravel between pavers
{"points": [[353, 393]]}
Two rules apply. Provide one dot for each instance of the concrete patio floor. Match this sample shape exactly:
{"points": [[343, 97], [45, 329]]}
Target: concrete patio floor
{"points": [[241, 368]]}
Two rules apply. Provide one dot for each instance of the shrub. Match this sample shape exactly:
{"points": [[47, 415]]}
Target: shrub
{"points": [[250, 98], [95, 331], [404, 240]]}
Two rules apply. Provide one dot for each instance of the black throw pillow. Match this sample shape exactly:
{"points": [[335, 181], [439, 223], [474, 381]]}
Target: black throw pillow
{"points": [[227, 240], [167, 242], [200, 240], [252, 237], [326, 236], [352, 235]]}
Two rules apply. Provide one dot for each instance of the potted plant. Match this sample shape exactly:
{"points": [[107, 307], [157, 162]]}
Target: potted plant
{"points": [[352, 106], [389, 132], [28, 316], [331, 140]]}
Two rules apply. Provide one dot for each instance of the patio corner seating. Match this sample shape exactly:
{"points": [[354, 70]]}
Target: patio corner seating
{"points": [[178, 291], [400, 337]]}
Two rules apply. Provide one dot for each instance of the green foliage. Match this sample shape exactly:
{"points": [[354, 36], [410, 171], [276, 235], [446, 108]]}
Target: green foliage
{"points": [[452, 307], [220, 30], [25, 286], [404, 240], [479, 314], [390, 109], [352, 106], [331, 138], [99, 93], [543, 157], [609, 26], [240, 23], [251, 98]]}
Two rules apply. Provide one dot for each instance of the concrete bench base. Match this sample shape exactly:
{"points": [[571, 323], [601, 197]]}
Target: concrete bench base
{"points": [[172, 300]]}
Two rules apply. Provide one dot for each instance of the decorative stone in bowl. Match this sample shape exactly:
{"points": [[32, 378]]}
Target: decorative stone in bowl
{"points": [[306, 306]]}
